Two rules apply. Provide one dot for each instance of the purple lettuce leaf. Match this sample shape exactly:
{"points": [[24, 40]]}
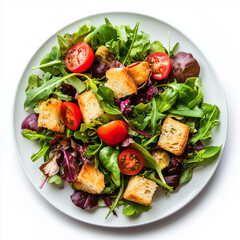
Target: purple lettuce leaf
{"points": [[196, 147], [84, 200], [70, 165], [99, 69], [30, 122], [80, 150], [69, 89]]}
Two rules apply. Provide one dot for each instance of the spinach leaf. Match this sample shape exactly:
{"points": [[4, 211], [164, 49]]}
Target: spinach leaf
{"points": [[151, 163], [131, 207], [106, 100], [209, 121], [167, 99], [187, 173], [93, 150], [108, 157], [157, 46], [102, 35]]}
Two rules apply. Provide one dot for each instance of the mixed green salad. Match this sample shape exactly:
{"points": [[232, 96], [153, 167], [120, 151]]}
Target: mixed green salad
{"points": [[108, 108]]}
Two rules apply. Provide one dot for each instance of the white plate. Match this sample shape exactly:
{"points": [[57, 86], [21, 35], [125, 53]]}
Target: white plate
{"points": [[162, 206]]}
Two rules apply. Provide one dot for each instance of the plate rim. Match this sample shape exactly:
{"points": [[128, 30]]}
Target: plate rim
{"points": [[209, 62]]}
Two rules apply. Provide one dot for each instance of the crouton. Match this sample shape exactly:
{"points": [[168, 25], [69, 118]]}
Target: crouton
{"points": [[90, 180], [50, 116], [140, 72], [89, 106], [120, 82], [174, 136], [162, 158], [140, 190]]}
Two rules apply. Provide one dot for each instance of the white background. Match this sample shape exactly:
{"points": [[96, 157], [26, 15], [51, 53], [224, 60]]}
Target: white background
{"points": [[212, 25]]}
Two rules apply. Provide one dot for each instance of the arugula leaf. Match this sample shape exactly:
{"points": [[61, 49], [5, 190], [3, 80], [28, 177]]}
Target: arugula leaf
{"points": [[187, 173], [209, 121], [43, 139], [205, 153], [93, 150], [35, 95], [51, 61], [151, 163], [195, 83], [183, 110], [33, 82], [53, 179], [167, 99], [61, 96], [131, 207]]}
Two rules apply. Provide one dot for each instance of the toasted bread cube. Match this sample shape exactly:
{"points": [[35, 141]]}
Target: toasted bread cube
{"points": [[89, 106], [50, 116], [174, 136], [140, 190], [140, 72], [120, 82], [90, 180], [162, 158]]}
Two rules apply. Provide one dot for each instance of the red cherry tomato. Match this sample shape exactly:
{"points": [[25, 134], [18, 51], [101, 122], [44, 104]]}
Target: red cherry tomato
{"points": [[113, 133], [130, 162], [71, 115], [160, 64], [79, 58]]}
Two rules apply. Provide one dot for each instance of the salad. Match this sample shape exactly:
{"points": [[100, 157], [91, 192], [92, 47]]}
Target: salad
{"points": [[118, 117]]}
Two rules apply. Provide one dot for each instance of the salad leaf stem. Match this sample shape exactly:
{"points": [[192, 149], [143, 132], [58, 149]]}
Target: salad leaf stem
{"points": [[47, 64], [68, 165], [133, 40], [44, 181], [120, 193]]}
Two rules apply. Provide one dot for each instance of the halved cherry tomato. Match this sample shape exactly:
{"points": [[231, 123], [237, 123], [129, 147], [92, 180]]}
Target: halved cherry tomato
{"points": [[113, 133], [160, 64], [79, 58], [71, 115], [130, 162]]}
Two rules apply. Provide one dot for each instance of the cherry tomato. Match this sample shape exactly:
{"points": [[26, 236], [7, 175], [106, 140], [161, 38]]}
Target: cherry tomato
{"points": [[79, 58], [71, 115], [160, 64], [113, 133], [130, 162]]}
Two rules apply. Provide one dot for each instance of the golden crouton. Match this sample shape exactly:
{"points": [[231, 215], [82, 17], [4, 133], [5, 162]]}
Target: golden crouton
{"points": [[174, 136], [140, 190], [90, 180], [89, 106], [162, 158], [120, 82], [50, 116], [140, 72]]}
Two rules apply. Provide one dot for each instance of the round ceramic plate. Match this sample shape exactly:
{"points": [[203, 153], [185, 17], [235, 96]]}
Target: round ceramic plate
{"points": [[162, 206]]}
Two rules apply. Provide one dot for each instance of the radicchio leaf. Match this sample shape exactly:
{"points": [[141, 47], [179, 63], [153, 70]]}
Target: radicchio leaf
{"points": [[99, 69], [60, 142], [127, 142], [51, 167], [172, 180], [125, 107], [30, 122], [80, 150], [70, 165], [69, 89], [196, 147], [84, 200]]}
